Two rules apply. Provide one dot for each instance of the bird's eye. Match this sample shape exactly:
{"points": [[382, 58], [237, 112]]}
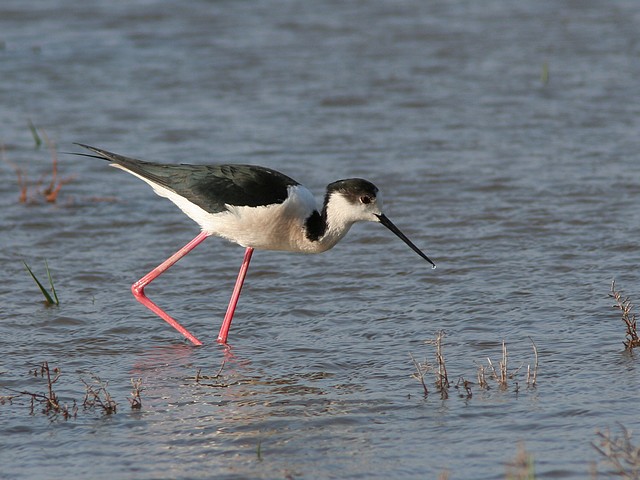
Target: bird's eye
{"points": [[365, 199]]}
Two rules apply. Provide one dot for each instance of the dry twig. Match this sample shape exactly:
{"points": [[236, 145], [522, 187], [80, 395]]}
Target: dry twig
{"points": [[620, 454], [98, 396], [22, 182], [442, 378], [501, 374], [466, 384], [532, 377], [49, 400], [219, 384], [421, 370], [625, 306], [51, 191], [136, 389], [482, 377]]}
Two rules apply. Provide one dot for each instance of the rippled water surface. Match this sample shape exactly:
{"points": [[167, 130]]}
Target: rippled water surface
{"points": [[504, 138]]}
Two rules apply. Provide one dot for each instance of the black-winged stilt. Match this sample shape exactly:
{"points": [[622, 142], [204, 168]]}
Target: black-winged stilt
{"points": [[255, 207]]}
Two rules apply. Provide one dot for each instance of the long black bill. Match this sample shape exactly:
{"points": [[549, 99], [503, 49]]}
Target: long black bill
{"points": [[389, 224]]}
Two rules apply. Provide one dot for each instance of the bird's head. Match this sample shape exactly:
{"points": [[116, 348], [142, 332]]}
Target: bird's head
{"points": [[355, 199], [358, 200]]}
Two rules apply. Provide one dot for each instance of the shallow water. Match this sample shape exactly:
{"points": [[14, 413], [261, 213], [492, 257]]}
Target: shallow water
{"points": [[523, 190]]}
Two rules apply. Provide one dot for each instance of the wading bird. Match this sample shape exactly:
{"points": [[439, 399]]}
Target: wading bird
{"points": [[255, 207]]}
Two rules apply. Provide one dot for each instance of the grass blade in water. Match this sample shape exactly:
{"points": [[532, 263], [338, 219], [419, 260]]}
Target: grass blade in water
{"points": [[46, 294], [53, 288]]}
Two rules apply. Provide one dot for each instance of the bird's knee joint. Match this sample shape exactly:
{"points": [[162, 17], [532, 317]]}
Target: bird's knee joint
{"points": [[137, 290]]}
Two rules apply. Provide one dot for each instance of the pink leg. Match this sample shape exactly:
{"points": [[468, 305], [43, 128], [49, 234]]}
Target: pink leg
{"points": [[138, 287], [226, 323]]}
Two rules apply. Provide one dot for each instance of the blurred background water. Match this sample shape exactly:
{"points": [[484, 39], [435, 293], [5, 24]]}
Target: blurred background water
{"points": [[504, 138]]}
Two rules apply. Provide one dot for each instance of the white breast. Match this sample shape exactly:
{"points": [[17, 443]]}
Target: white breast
{"points": [[272, 227]]}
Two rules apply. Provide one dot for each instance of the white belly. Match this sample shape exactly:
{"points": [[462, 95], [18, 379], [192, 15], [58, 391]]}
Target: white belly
{"points": [[271, 227]]}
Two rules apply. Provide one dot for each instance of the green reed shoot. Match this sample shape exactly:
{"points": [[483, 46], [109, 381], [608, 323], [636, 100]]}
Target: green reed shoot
{"points": [[544, 75], [50, 298], [34, 132], [259, 450]]}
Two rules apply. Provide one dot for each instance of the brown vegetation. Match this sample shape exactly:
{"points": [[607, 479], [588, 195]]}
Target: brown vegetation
{"points": [[486, 374], [621, 456], [49, 189], [96, 395], [625, 306]]}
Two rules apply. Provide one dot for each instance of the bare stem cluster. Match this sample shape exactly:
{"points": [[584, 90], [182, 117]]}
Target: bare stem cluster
{"points": [[440, 368], [501, 374], [497, 373], [620, 454], [217, 380], [442, 379], [96, 395], [49, 400], [136, 390], [421, 370], [625, 306], [48, 190]]}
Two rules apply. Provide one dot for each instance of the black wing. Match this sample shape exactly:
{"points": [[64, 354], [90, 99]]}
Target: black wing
{"points": [[211, 187]]}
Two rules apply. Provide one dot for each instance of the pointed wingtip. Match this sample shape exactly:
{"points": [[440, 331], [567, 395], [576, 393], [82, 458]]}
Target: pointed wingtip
{"points": [[88, 147], [101, 154]]}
